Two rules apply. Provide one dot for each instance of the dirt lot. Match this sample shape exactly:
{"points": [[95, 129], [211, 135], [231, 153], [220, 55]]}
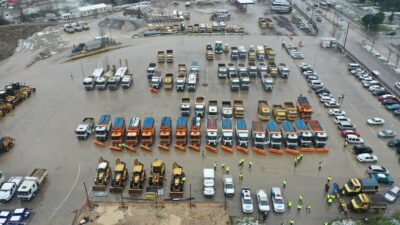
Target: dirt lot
{"points": [[167, 213]]}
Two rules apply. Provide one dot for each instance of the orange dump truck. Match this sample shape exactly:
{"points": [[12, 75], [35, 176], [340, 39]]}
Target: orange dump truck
{"points": [[148, 133], [304, 108], [165, 131], [133, 132], [118, 131], [195, 133], [181, 131]]}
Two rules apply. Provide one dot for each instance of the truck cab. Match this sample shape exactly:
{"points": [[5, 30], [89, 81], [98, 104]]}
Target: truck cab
{"points": [[364, 185], [156, 81], [126, 81], [192, 82], [85, 128], [88, 83], [103, 127], [101, 83], [242, 133], [212, 132], [151, 70]]}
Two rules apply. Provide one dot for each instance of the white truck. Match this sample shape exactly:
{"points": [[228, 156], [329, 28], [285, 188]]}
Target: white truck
{"points": [[101, 82], [227, 109], [222, 70], [200, 107], [229, 187], [185, 107], [252, 69], [283, 70], [90, 82], [181, 79], [268, 82], [242, 133], [209, 183], [262, 69], [156, 80], [84, 129], [114, 81], [151, 70], [31, 184], [244, 77], [9, 188], [127, 81], [192, 82]]}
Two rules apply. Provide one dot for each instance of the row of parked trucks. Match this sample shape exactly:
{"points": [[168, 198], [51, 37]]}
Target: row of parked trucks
{"points": [[104, 177], [184, 80], [260, 53], [109, 77]]}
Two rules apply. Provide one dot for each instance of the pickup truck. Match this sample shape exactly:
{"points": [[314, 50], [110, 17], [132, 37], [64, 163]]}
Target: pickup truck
{"points": [[32, 184], [283, 70], [85, 128], [222, 71], [252, 69], [151, 70], [160, 57]]}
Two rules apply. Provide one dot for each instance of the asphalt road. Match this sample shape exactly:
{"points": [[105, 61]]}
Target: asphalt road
{"points": [[44, 126]]}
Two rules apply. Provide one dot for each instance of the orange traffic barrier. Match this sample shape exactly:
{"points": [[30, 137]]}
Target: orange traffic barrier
{"points": [[115, 148], [307, 149], [100, 143], [244, 150], [164, 147], [211, 148], [130, 148], [259, 150], [180, 147], [154, 90], [276, 151], [145, 147], [194, 147], [226, 148], [292, 151], [322, 149]]}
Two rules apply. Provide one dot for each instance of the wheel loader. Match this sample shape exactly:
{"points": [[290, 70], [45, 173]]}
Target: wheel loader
{"points": [[6, 144], [103, 175], [120, 176], [156, 178], [138, 177], [5, 106], [177, 181]]}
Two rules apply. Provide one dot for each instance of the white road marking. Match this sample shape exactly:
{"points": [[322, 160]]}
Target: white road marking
{"points": [[69, 193]]}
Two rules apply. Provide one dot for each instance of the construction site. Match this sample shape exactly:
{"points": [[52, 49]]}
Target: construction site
{"points": [[149, 123]]}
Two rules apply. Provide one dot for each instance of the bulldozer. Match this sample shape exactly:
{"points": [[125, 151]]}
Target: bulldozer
{"points": [[6, 144], [138, 177], [178, 179], [120, 176], [157, 173], [103, 176]]}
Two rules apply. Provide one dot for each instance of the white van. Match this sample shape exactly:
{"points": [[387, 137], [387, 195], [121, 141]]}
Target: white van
{"points": [[354, 139]]}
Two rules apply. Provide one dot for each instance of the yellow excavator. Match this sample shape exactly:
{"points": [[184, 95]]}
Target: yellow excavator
{"points": [[138, 177], [178, 179], [103, 176], [120, 176]]}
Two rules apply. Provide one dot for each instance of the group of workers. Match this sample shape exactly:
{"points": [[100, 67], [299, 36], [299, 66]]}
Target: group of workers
{"points": [[226, 169], [298, 159]]}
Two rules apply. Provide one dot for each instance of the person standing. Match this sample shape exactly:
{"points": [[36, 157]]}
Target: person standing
{"points": [[320, 166], [284, 183]]}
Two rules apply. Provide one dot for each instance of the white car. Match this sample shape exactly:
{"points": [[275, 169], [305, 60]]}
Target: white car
{"points": [[247, 202], [354, 139], [336, 112], [324, 99], [262, 200], [9, 189], [229, 188], [339, 119], [366, 157], [397, 85], [393, 194], [277, 200], [377, 169], [325, 95], [374, 86], [375, 121]]}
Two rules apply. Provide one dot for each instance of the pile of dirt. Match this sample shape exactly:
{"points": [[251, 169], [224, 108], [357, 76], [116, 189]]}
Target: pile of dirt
{"points": [[11, 34], [167, 213]]}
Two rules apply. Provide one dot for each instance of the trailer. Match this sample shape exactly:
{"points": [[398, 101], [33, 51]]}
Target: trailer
{"points": [[320, 136], [304, 133], [274, 134], [289, 135]]}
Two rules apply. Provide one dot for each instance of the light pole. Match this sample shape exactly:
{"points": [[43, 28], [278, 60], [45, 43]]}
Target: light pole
{"points": [[345, 37], [390, 52]]}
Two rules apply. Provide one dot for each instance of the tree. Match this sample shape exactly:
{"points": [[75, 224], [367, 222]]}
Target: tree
{"points": [[378, 18], [391, 17], [371, 21], [367, 20]]}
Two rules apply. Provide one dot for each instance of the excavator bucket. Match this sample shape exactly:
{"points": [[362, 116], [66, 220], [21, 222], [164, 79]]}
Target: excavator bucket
{"points": [[292, 151], [307, 149], [163, 147], [230, 150], [194, 147], [259, 150], [115, 148], [322, 149], [276, 151], [180, 147], [210, 148], [146, 148], [130, 148], [244, 150], [100, 143]]}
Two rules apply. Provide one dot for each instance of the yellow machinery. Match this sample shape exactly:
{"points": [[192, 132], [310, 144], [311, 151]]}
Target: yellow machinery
{"points": [[138, 177], [6, 144], [157, 173], [120, 176], [177, 181], [103, 175]]}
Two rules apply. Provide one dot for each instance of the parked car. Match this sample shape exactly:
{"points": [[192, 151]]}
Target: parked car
{"points": [[247, 201], [262, 201], [366, 157], [386, 96], [305, 67], [391, 33], [353, 139], [396, 112], [229, 188], [397, 85], [390, 102], [375, 87], [394, 143], [277, 200], [346, 126], [375, 121], [336, 112], [377, 169], [382, 178], [331, 104], [360, 149], [353, 132], [322, 90], [387, 133], [380, 92], [392, 107], [393, 194], [324, 99], [341, 119]]}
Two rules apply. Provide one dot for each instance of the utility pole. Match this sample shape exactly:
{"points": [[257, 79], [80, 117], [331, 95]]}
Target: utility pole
{"points": [[87, 196], [373, 43], [390, 52], [345, 37], [397, 61], [205, 84]]}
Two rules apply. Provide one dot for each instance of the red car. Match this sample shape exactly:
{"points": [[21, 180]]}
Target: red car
{"points": [[353, 132], [384, 97]]}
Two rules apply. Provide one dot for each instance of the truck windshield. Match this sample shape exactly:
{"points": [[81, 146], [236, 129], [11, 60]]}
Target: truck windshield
{"points": [[358, 200], [351, 185], [276, 139], [211, 137], [80, 132], [100, 132], [87, 83], [242, 138], [306, 138], [292, 141], [146, 137], [115, 138], [260, 139], [131, 138]]}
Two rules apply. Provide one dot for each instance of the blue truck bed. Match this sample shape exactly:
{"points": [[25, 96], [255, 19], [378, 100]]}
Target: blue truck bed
{"points": [[301, 125], [119, 122], [182, 121], [104, 119], [241, 124], [287, 126], [273, 126], [226, 123], [148, 122], [166, 121]]}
